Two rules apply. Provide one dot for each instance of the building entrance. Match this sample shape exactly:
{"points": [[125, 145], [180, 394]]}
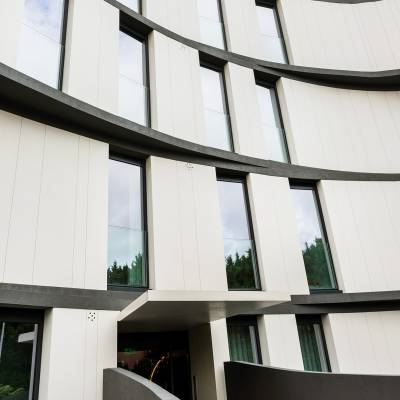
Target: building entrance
{"points": [[162, 357]]}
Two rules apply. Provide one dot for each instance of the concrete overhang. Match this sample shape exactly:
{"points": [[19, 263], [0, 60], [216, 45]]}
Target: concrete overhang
{"points": [[163, 310]]}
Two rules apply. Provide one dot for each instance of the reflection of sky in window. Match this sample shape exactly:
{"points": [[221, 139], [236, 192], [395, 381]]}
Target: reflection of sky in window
{"points": [[267, 21], [40, 40], [212, 90], [131, 58], [306, 216], [209, 9], [234, 217], [132, 4], [267, 107]]}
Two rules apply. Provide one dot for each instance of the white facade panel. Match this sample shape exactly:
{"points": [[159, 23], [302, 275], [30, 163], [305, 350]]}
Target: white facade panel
{"points": [[341, 129], [54, 216], [342, 36], [274, 222], [362, 220], [176, 102], [185, 235], [91, 55]]}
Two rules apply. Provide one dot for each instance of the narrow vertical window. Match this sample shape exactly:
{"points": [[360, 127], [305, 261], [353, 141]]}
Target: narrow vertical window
{"points": [[133, 102], [211, 23], [134, 5], [272, 126], [243, 340], [271, 33], [312, 343], [313, 242], [126, 235], [239, 249], [41, 46], [218, 125]]}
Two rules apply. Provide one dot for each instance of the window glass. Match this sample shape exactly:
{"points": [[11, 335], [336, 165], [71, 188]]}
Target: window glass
{"points": [[133, 91], [240, 256], [211, 26], [312, 343], [215, 108], [126, 236], [17, 359], [40, 45], [132, 4], [243, 341], [313, 244], [271, 35], [273, 133]]}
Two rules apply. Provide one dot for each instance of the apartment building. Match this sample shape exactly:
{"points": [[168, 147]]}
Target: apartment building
{"points": [[199, 199]]}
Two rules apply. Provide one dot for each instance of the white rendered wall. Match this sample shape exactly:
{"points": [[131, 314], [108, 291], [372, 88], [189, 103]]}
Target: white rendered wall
{"points": [[364, 343], [361, 36], [53, 207], [77, 346], [363, 223], [91, 59], [185, 235], [176, 102], [278, 251], [179, 16], [331, 128], [279, 341]]}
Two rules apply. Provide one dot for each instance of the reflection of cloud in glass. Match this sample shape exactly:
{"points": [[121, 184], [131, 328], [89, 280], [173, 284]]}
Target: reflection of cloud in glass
{"points": [[132, 4], [40, 41], [306, 216]]}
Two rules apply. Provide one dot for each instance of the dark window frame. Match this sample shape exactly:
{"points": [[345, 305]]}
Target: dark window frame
{"points": [[143, 38], [242, 180], [315, 319], [221, 70], [142, 165], [272, 5], [247, 321], [272, 87], [33, 316], [63, 43], [312, 185]]}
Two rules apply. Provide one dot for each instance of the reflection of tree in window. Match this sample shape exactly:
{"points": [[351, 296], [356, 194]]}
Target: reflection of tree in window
{"points": [[124, 274], [240, 270]]}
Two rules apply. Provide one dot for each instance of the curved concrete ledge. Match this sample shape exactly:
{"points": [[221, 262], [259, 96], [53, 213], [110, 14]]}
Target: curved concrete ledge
{"points": [[32, 99], [270, 71], [253, 382], [119, 384]]}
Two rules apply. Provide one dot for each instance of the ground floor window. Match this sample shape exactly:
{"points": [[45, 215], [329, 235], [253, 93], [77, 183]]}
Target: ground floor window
{"points": [[20, 335]]}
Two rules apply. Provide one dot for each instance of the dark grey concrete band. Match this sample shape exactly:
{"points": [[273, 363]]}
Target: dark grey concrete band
{"points": [[253, 382], [119, 384], [348, 1], [30, 296], [32, 99], [269, 71]]}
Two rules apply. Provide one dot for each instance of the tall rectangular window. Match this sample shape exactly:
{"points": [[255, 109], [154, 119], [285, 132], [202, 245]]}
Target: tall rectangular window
{"points": [[312, 343], [134, 5], [272, 126], [133, 101], [42, 39], [211, 23], [218, 126], [126, 226], [243, 340], [271, 33], [239, 248], [313, 242]]}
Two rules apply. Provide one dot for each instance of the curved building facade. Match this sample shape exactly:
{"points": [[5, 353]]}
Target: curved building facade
{"points": [[190, 186]]}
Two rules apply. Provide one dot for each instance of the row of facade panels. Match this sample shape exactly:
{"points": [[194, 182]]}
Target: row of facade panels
{"points": [[156, 81]]}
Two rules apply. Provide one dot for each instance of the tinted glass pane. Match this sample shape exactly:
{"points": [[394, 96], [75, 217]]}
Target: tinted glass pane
{"points": [[312, 241], [211, 27], [271, 36], [215, 109], [133, 91], [17, 360], [243, 343], [40, 46], [312, 345], [126, 236], [239, 248], [275, 144], [132, 4]]}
